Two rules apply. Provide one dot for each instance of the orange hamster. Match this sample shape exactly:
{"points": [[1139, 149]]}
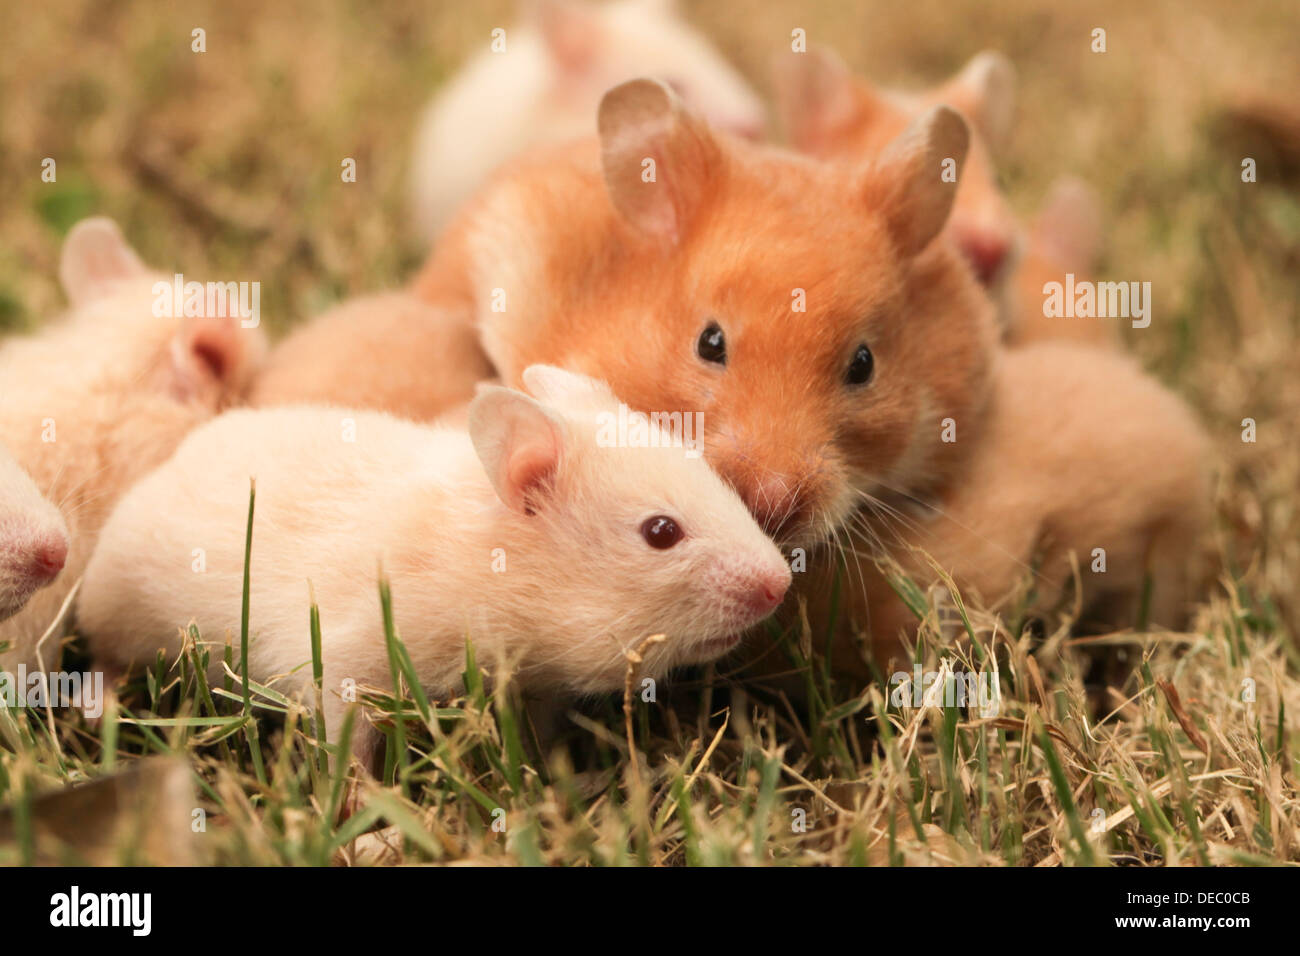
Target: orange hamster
{"points": [[388, 352], [802, 308], [1065, 237], [830, 113]]}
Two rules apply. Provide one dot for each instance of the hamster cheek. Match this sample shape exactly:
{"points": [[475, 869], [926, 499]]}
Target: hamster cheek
{"points": [[875, 440]]}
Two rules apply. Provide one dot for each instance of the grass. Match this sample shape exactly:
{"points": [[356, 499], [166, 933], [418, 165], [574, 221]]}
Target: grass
{"points": [[847, 776], [1122, 749]]}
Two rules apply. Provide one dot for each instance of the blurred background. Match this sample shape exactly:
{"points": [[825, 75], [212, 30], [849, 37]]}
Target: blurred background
{"points": [[227, 162]]}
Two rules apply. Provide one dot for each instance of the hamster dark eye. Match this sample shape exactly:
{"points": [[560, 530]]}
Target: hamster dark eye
{"points": [[860, 369], [712, 346], [661, 532]]}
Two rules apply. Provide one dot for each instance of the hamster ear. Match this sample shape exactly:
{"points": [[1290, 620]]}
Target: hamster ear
{"points": [[571, 30], [519, 443], [94, 256], [985, 93], [914, 181], [658, 158], [1068, 225], [816, 96], [213, 358], [556, 385]]}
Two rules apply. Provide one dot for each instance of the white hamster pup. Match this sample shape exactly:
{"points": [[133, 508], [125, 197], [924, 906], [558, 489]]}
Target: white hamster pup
{"points": [[551, 546], [540, 81], [101, 396]]}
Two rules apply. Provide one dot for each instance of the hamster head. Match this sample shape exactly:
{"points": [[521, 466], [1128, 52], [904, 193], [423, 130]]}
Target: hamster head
{"points": [[639, 538], [33, 538], [800, 307], [595, 46], [829, 113], [127, 327]]}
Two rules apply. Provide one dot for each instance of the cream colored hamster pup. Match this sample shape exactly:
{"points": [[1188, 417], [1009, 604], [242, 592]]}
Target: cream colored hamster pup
{"points": [[527, 532], [540, 82], [98, 398]]}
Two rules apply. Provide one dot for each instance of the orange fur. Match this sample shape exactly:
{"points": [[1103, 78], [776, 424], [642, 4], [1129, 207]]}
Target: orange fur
{"points": [[1082, 451], [831, 114], [569, 258], [1064, 238], [389, 352]]}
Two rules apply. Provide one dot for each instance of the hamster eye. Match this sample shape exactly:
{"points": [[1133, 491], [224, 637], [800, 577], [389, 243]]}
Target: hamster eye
{"points": [[712, 345], [661, 532], [860, 369]]}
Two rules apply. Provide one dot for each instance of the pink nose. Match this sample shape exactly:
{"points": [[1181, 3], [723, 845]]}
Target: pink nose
{"points": [[768, 590], [47, 560]]}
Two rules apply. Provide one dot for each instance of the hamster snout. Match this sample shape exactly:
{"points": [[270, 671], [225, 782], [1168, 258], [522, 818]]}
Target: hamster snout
{"points": [[767, 590], [33, 537], [754, 586], [30, 558], [46, 559]]}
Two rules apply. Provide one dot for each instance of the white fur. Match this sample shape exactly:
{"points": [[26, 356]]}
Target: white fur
{"points": [[502, 103], [98, 398], [579, 584]]}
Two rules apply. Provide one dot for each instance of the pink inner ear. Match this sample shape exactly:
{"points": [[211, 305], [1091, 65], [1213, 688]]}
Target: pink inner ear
{"points": [[205, 357], [94, 262], [212, 358], [657, 207], [659, 212], [985, 248], [817, 97], [212, 343], [642, 119], [528, 467]]}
